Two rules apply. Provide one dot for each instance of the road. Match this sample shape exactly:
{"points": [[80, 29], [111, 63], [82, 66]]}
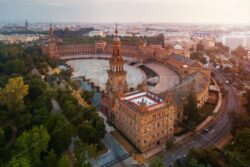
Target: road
{"points": [[115, 154], [219, 128]]}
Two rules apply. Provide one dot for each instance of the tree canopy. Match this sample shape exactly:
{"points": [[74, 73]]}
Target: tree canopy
{"points": [[191, 111], [12, 95], [240, 52], [239, 150], [33, 143], [156, 163]]}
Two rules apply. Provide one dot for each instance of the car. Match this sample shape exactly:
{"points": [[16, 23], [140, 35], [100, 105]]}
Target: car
{"points": [[206, 130]]}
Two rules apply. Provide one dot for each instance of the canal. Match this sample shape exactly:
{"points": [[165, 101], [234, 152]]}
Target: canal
{"points": [[96, 102]]}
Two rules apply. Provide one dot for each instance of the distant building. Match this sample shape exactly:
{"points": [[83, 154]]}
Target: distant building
{"points": [[16, 38], [202, 34], [96, 33], [102, 47], [237, 39], [26, 25], [16, 28], [208, 43]]}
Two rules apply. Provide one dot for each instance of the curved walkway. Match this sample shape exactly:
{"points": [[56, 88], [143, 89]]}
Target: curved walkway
{"points": [[96, 56], [167, 78]]}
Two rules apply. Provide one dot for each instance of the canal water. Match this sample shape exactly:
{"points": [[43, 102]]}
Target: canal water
{"points": [[96, 102]]}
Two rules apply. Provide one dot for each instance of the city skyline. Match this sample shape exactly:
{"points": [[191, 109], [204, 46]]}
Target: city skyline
{"points": [[137, 11]]}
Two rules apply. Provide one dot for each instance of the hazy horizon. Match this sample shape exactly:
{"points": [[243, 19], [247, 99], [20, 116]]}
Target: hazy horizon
{"points": [[127, 11]]}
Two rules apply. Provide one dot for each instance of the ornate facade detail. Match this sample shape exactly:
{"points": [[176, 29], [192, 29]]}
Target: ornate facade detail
{"points": [[116, 84], [146, 119], [53, 52], [142, 51]]}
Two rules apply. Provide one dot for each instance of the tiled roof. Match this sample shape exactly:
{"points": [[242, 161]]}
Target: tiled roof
{"points": [[76, 46], [181, 59], [195, 83]]}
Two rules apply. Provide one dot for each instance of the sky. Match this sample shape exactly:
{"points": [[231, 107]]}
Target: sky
{"points": [[126, 11]]}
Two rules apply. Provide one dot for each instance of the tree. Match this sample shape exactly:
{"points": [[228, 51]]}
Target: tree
{"points": [[62, 133], [24, 120], [81, 155], [169, 143], [221, 48], [240, 52], [50, 160], [87, 95], [14, 66], [191, 111], [65, 74], [2, 137], [19, 162], [204, 156], [156, 163], [203, 60], [34, 142], [196, 55], [92, 150], [194, 163], [98, 123], [238, 152], [88, 133], [12, 96], [239, 121], [247, 95], [36, 87], [63, 161]]}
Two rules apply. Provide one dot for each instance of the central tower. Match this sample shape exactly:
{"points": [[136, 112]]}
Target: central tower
{"points": [[116, 84], [52, 43]]}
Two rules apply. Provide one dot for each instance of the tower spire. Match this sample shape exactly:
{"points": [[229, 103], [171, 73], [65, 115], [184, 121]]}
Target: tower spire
{"points": [[51, 31], [116, 83], [116, 31]]}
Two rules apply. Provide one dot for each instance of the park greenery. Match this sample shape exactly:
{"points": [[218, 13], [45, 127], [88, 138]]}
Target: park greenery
{"points": [[234, 154], [156, 163], [33, 132], [200, 51], [240, 52], [81, 37], [194, 115]]}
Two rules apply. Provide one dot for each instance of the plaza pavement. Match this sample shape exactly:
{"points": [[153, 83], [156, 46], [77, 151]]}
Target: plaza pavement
{"points": [[167, 78], [115, 154], [96, 71]]}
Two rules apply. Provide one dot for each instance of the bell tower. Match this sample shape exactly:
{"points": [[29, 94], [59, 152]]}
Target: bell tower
{"points": [[52, 43], [116, 84]]}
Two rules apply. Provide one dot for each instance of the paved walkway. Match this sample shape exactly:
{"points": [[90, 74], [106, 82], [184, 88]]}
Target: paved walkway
{"points": [[167, 78], [95, 70], [97, 56], [115, 154], [55, 106]]}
